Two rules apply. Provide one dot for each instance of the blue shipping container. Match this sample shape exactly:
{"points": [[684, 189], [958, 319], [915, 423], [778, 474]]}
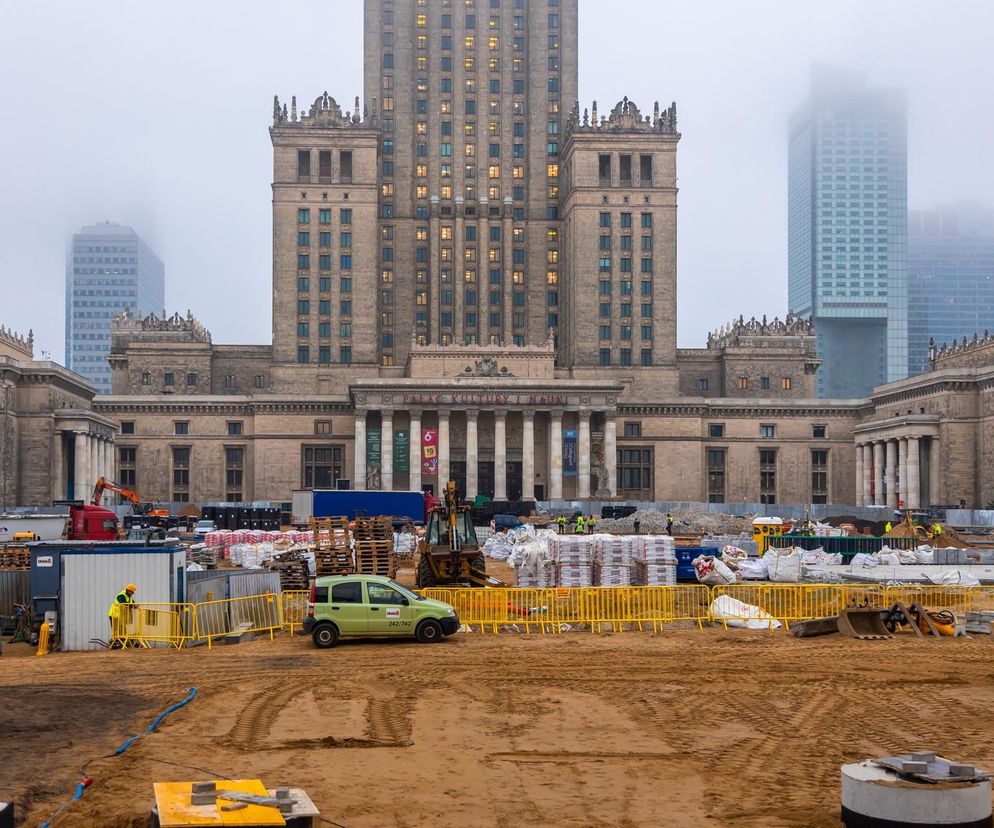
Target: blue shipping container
{"points": [[368, 503]]}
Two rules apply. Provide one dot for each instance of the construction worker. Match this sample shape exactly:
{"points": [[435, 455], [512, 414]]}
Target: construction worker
{"points": [[591, 523], [937, 529], [669, 524], [580, 525], [116, 612], [561, 523], [887, 527]]}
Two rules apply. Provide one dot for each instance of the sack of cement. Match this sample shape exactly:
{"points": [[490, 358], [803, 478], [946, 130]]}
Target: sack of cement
{"points": [[712, 571], [819, 557], [924, 555], [863, 561], [614, 576], [888, 557], [783, 565], [403, 546], [498, 546], [732, 554], [735, 613], [953, 577], [753, 569]]}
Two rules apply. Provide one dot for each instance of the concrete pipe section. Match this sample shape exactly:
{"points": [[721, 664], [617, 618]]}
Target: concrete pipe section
{"points": [[919, 790]]}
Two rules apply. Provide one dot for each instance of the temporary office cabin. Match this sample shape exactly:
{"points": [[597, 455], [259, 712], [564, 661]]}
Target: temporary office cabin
{"points": [[81, 579]]}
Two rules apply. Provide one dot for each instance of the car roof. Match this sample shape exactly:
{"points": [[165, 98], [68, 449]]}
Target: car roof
{"points": [[381, 579]]}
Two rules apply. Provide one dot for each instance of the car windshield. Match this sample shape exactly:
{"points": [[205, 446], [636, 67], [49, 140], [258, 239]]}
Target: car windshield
{"points": [[405, 591]]}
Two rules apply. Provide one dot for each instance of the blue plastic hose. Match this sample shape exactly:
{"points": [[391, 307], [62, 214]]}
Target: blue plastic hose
{"points": [[155, 723]]}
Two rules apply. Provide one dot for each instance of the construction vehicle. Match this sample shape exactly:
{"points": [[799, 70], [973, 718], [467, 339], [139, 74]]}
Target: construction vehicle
{"points": [[449, 553], [88, 521], [138, 506]]}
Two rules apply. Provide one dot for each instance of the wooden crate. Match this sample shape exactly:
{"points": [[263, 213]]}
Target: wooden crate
{"points": [[330, 533], [15, 557]]}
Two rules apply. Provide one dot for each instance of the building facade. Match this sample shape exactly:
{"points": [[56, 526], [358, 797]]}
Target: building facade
{"points": [[474, 278], [108, 268], [847, 230], [950, 277], [53, 445]]}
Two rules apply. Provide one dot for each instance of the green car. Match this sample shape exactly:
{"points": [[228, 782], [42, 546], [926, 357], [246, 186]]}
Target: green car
{"points": [[373, 606]]}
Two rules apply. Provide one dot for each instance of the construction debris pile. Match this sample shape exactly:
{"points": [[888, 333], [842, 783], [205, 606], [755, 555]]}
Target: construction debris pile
{"points": [[543, 558], [685, 522]]}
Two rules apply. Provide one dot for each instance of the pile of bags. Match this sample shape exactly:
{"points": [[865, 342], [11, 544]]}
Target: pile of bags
{"points": [[404, 546], [531, 558], [574, 559], [225, 539], [894, 557]]}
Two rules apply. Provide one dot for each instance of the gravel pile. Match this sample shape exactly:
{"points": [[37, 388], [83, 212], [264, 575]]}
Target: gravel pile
{"points": [[685, 522]]}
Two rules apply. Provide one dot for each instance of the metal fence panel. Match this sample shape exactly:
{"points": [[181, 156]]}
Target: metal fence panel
{"points": [[14, 589]]}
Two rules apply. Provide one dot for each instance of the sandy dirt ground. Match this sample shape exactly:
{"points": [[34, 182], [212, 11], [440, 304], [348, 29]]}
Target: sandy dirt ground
{"points": [[632, 729]]}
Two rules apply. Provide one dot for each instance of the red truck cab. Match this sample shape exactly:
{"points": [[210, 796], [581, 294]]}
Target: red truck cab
{"points": [[90, 522]]}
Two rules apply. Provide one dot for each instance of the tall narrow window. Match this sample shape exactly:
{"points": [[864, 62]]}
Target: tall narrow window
{"points": [[819, 476], [716, 475], [604, 170], [181, 475], [324, 166], [768, 476], [127, 467], [645, 171], [345, 166], [304, 166], [625, 170], [234, 465]]}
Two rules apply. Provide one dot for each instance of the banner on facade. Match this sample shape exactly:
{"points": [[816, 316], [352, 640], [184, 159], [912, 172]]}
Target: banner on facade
{"points": [[402, 451], [429, 451], [569, 452], [598, 467], [374, 459]]}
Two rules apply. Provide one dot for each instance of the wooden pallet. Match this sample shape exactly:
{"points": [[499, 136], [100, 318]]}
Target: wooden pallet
{"points": [[378, 528], [375, 557], [330, 533], [15, 557]]}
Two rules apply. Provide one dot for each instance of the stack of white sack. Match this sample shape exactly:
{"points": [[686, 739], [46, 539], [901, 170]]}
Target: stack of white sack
{"points": [[752, 569], [498, 546], [614, 554], [658, 560], [712, 571], [403, 546], [783, 566], [533, 564], [251, 555], [954, 577], [819, 557], [574, 559]]}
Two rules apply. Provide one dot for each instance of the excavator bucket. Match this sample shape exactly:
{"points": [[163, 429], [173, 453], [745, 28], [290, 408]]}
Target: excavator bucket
{"points": [[815, 627], [863, 623]]}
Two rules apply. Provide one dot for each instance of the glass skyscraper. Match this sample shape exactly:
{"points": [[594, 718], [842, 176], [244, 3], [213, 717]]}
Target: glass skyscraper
{"points": [[107, 267], [847, 230], [950, 277]]}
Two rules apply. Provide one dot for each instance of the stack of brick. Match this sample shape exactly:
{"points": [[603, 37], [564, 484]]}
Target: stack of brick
{"points": [[654, 561], [613, 560], [574, 558]]}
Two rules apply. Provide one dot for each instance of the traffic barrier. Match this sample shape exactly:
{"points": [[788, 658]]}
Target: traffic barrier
{"points": [[958, 600], [142, 625], [559, 609], [234, 616], [293, 606], [798, 602]]}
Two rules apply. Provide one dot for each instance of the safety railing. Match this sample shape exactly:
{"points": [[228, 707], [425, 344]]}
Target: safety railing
{"points": [[236, 616], [144, 625], [293, 605]]}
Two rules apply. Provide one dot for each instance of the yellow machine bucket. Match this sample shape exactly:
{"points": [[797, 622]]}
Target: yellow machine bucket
{"points": [[863, 623]]}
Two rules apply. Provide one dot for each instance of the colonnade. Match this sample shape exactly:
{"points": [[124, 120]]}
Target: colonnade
{"points": [[607, 477], [889, 472], [94, 458]]}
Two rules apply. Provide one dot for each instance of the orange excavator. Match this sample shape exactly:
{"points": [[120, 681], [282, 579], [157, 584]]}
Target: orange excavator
{"points": [[139, 506]]}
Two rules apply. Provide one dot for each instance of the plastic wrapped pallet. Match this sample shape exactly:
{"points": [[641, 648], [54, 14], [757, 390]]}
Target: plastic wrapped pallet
{"points": [[498, 546], [403, 546], [533, 567], [657, 560], [574, 557]]}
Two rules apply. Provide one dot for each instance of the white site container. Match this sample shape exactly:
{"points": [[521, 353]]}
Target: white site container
{"points": [[92, 577]]}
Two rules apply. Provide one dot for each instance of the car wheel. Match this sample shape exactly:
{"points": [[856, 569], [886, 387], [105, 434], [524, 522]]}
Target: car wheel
{"points": [[429, 632], [325, 636]]}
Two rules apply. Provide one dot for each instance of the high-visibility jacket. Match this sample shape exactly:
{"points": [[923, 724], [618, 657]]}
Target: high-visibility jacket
{"points": [[123, 597], [561, 520], [579, 524]]}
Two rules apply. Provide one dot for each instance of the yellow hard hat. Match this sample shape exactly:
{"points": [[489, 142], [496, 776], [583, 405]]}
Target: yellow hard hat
{"points": [[131, 588]]}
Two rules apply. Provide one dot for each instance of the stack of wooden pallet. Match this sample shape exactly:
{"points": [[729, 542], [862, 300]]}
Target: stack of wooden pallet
{"points": [[331, 546], [15, 557], [377, 528], [292, 569], [375, 557]]}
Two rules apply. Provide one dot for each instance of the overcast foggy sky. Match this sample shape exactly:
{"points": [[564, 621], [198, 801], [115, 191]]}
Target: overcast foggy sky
{"points": [[155, 114]]}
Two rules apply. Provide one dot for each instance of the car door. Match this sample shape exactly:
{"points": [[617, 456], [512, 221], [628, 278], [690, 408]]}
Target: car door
{"points": [[347, 609], [389, 611]]}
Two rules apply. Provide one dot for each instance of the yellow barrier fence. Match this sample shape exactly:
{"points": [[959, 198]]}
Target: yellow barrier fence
{"points": [[293, 604], [797, 602], [234, 616], [142, 625], [559, 609]]}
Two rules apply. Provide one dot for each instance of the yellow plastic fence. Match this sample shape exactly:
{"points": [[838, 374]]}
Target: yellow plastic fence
{"points": [[560, 609], [233, 616], [294, 607], [142, 625]]}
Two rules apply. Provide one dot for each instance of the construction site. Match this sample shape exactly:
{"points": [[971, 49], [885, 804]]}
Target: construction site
{"points": [[566, 687]]}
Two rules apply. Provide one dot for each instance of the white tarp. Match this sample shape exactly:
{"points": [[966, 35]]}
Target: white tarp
{"points": [[735, 613]]}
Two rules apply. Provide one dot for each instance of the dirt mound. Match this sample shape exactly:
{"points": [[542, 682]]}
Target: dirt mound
{"points": [[685, 522]]}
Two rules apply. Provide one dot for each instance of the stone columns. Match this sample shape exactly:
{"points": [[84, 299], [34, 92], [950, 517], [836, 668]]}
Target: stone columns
{"points": [[891, 476], [912, 500], [583, 461], [500, 455], [611, 453], [933, 473], [443, 449], [472, 470], [386, 451], [95, 471], [415, 457], [878, 474], [556, 455], [58, 488], [867, 473], [82, 470], [528, 455], [359, 475], [902, 459], [859, 474], [109, 460]]}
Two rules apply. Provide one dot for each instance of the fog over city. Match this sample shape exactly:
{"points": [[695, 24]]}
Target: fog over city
{"points": [[155, 115]]}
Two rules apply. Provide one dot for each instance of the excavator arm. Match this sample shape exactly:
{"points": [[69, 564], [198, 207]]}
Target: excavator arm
{"points": [[104, 485]]}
